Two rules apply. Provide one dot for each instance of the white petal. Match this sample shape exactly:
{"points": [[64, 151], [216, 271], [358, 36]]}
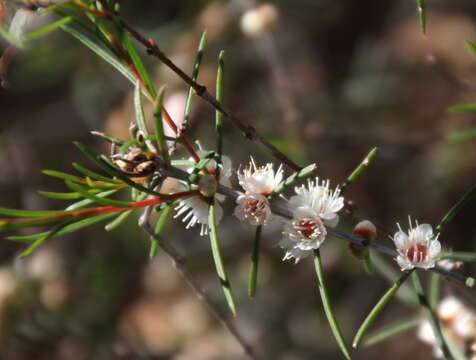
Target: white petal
{"points": [[427, 230], [400, 239], [404, 263], [435, 249], [332, 222]]}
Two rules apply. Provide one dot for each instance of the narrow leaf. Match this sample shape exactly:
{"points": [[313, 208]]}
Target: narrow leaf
{"points": [[118, 220], [64, 231], [405, 295], [458, 256], [97, 199], [359, 169], [159, 226], [28, 213], [63, 176], [391, 330], [468, 196], [372, 316], [86, 202], [136, 60], [101, 52], [93, 174], [462, 135], [253, 275], [48, 28], [220, 89], [140, 117], [291, 180], [430, 315], [60, 195], [471, 47], [326, 302], [421, 9], [220, 267], [38, 242], [463, 108], [159, 126]]}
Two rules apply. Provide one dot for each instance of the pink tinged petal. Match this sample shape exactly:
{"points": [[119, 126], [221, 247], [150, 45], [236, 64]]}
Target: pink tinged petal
{"points": [[401, 240]]}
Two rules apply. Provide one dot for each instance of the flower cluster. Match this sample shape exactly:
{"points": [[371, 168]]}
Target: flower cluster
{"points": [[314, 207]]}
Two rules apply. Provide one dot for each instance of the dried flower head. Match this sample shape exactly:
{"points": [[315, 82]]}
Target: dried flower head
{"points": [[417, 248]]}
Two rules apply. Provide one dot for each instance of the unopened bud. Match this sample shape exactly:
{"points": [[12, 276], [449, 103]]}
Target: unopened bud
{"points": [[366, 229], [256, 20]]}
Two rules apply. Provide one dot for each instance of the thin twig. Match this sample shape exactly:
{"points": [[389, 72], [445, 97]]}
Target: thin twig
{"points": [[180, 265], [352, 238]]}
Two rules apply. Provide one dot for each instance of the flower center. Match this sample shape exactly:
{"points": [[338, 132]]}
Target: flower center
{"points": [[417, 253], [308, 228], [255, 208]]}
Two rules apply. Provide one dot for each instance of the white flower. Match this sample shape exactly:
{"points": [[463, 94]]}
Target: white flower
{"points": [[417, 247], [194, 209], [425, 333], [314, 207], [304, 233], [325, 202], [258, 183], [260, 180], [254, 208]]}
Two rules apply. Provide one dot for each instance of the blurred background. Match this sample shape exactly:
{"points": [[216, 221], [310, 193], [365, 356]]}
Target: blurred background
{"points": [[325, 81]]}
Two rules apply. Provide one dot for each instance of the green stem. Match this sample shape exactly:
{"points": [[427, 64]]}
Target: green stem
{"points": [[219, 265], [220, 85], [328, 310], [253, 274], [377, 309], [431, 316], [359, 169]]}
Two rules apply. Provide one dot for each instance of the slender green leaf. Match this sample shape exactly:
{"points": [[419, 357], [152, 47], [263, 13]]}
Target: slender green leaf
{"points": [[458, 256], [196, 70], [220, 89], [38, 242], [462, 135], [159, 226], [86, 202], [253, 274], [159, 126], [93, 174], [101, 52], [48, 28], [204, 160], [63, 176], [220, 267], [421, 9], [65, 230], [377, 309], [97, 199], [326, 302], [28, 213], [391, 330], [119, 220], [471, 47], [127, 43], [405, 295], [60, 195], [468, 196], [463, 108], [434, 289], [291, 180], [430, 315], [139, 111], [359, 169], [108, 138]]}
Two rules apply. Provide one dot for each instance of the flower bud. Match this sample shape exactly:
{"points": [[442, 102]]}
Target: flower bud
{"points": [[366, 229], [256, 20]]}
